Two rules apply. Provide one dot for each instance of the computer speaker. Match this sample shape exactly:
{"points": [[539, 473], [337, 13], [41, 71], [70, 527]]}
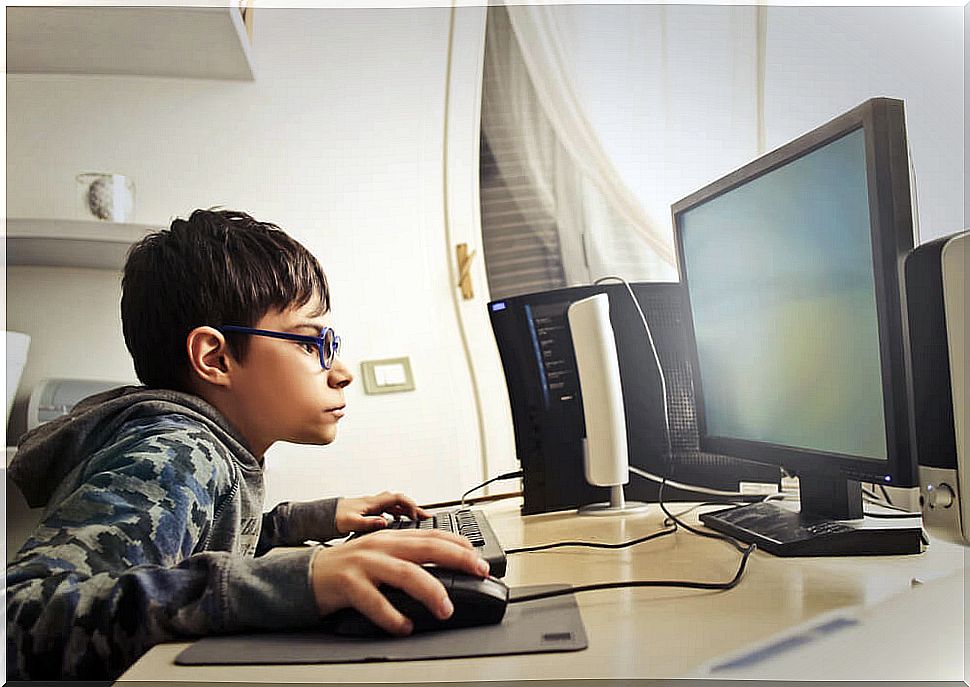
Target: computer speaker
{"points": [[606, 458], [936, 292]]}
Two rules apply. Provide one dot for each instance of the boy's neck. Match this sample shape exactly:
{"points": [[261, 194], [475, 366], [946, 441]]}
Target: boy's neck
{"points": [[223, 402]]}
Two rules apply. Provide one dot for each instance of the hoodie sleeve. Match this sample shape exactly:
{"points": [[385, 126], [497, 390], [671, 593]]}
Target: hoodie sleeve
{"points": [[291, 524], [117, 567]]}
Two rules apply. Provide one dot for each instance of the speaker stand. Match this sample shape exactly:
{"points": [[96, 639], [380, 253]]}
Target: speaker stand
{"points": [[617, 505]]}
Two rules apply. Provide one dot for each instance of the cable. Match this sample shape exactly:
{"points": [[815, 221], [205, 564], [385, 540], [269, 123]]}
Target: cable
{"points": [[872, 498], [594, 545], [507, 475], [670, 451], [656, 358], [620, 545], [885, 494], [892, 516], [663, 386], [473, 501], [733, 582], [446, 173], [691, 487], [913, 187], [746, 551]]}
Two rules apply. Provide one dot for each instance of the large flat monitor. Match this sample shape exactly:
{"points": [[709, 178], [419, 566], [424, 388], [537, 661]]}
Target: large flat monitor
{"points": [[792, 270]]}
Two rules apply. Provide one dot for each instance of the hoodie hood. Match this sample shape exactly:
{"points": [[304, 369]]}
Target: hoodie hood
{"points": [[48, 453]]}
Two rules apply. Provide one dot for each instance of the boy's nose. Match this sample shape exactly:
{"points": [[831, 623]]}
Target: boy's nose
{"points": [[340, 375]]}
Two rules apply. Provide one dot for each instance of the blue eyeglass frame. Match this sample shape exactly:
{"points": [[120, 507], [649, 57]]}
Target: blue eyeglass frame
{"points": [[327, 353]]}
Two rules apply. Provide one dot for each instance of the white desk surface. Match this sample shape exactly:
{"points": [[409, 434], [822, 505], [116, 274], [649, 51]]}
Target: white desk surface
{"points": [[662, 632]]}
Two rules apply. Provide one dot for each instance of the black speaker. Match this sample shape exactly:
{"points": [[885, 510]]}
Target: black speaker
{"points": [[936, 292], [534, 341]]}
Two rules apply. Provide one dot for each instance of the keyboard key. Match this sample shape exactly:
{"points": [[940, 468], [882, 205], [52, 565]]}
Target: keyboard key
{"points": [[473, 525]]}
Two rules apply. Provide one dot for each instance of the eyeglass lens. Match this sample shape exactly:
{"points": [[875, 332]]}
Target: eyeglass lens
{"points": [[331, 344]]}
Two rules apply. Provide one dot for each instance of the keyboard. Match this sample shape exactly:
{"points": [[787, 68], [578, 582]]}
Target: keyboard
{"points": [[471, 524], [784, 532]]}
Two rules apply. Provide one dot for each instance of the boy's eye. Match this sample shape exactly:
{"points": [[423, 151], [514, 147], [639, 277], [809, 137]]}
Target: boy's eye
{"points": [[308, 347]]}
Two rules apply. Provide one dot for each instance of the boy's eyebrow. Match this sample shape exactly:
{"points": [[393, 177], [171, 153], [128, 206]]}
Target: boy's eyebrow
{"points": [[309, 325]]}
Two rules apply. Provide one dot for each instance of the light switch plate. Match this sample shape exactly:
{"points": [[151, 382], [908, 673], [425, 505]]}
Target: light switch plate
{"points": [[387, 376]]}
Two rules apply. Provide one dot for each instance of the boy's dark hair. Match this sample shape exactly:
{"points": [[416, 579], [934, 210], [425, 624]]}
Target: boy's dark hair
{"points": [[219, 267]]}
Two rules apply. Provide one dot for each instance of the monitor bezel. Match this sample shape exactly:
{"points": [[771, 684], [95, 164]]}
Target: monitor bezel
{"points": [[891, 234]]}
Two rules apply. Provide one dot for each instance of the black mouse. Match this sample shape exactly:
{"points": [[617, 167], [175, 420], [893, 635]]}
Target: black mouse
{"points": [[477, 601]]}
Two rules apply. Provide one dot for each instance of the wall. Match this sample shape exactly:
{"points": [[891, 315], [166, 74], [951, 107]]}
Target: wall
{"points": [[821, 61], [339, 140]]}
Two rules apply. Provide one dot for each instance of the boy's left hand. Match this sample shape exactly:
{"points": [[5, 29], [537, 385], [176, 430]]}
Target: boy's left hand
{"points": [[365, 513]]}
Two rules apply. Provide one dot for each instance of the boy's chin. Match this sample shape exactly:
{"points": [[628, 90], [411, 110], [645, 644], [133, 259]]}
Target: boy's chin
{"points": [[321, 438], [327, 436]]}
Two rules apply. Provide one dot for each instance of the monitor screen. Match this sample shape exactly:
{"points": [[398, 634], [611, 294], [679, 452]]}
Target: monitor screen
{"points": [[794, 308], [783, 301]]}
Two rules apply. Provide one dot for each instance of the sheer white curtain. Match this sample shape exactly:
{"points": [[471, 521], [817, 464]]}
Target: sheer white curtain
{"points": [[527, 149], [622, 110]]}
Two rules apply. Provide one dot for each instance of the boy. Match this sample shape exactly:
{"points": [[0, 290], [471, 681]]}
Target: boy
{"points": [[153, 528]]}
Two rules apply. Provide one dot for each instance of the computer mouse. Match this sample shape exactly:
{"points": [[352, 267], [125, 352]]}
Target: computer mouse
{"points": [[477, 601]]}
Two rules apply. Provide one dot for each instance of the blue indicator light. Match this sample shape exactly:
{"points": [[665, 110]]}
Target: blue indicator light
{"points": [[498, 306], [888, 478]]}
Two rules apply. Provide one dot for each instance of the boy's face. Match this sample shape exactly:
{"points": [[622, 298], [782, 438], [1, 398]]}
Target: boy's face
{"points": [[280, 391]]}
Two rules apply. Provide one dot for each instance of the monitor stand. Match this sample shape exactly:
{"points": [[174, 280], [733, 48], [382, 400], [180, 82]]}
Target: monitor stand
{"points": [[829, 522]]}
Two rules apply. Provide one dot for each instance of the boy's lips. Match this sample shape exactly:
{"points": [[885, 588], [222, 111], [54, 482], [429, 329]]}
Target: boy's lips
{"points": [[338, 411]]}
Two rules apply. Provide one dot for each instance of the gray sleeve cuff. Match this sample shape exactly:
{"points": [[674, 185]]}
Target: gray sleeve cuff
{"points": [[291, 524], [273, 592], [315, 520]]}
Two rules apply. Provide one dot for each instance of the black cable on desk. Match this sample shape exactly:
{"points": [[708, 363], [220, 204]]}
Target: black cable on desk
{"points": [[592, 544], [710, 535], [746, 551], [892, 516], [508, 475], [730, 584]]}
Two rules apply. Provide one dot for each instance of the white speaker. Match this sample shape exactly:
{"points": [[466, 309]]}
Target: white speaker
{"points": [[936, 291], [606, 461]]}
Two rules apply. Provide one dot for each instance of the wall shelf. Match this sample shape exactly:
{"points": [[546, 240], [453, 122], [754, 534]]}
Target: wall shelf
{"points": [[71, 243], [188, 42]]}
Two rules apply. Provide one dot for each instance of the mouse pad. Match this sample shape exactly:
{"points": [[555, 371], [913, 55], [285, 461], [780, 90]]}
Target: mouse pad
{"points": [[540, 626]]}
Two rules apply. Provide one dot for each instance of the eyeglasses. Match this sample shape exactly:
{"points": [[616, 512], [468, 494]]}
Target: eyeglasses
{"points": [[328, 343]]}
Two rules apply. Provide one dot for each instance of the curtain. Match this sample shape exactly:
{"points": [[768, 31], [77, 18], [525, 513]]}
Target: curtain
{"points": [[619, 111]]}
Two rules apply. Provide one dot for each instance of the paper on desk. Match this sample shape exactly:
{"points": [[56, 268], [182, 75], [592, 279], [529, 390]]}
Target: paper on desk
{"points": [[916, 635]]}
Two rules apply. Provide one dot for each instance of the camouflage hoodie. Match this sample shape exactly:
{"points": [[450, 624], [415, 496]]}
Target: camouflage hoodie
{"points": [[153, 531]]}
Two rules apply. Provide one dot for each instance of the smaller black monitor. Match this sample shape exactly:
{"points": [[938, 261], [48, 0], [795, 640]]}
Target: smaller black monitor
{"points": [[799, 346]]}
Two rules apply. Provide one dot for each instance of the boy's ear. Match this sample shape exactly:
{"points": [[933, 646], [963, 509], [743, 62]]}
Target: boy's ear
{"points": [[209, 357]]}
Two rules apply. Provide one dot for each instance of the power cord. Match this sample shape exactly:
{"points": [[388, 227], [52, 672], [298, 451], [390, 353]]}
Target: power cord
{"points": [[508, 475], [871, 497], [669, 524], [491, 498], [730, 584], [670, 451], [656, 357], [593, 544], [693, 487], [746, 551]]}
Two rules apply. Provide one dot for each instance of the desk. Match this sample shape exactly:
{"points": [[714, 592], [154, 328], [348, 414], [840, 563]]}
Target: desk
{"points": [[651, 632]]}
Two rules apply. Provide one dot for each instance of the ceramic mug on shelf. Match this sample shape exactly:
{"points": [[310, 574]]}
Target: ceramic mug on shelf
{"points": [[106, 197]]}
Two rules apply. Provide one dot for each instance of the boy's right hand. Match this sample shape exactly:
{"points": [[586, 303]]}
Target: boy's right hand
{"points": [[349, 574]]}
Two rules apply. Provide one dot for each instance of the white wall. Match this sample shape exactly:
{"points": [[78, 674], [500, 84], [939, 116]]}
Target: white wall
{"points": [[340, 141], [821, 61], [669, 89]]}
